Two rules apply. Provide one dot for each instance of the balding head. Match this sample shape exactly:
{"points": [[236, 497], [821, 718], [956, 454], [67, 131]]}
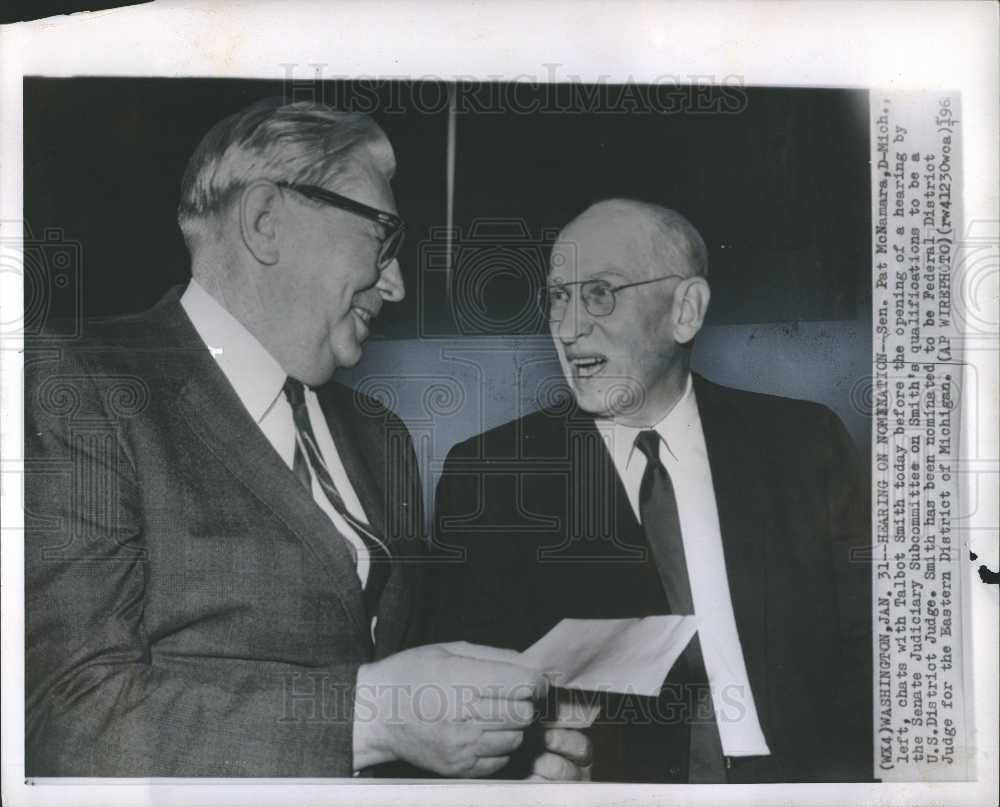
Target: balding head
{"points": [[652, 235]]}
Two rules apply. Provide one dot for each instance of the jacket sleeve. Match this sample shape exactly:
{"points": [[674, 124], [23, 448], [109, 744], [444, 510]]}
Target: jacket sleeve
{"points": [[98, 700]]}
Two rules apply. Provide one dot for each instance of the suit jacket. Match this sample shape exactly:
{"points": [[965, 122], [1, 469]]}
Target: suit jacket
{"points": [[189, 609], [533, 525]]}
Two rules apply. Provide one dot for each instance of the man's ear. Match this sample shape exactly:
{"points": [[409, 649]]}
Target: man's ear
{"points": [[691, 298], [260, 212]]}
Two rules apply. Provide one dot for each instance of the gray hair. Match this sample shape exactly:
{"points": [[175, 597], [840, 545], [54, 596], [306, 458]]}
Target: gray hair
{"points": [[673, 232], [302, 142]]}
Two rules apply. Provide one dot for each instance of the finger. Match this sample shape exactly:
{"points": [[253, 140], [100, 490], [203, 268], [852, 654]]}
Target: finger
{"points": [[499, 714], [482, 652], [486, 766], [573, 745], [501, 679], [573, 773], [498, 743], [555, 768], [573, 714]]}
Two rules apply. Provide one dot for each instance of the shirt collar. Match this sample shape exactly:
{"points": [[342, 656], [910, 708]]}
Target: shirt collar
{"points": [[254, 373], [676, 429]]}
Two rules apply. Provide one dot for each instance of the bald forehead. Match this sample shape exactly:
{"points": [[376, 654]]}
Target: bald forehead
{"points": [[616, 210], [635, 238], [379, 149]]}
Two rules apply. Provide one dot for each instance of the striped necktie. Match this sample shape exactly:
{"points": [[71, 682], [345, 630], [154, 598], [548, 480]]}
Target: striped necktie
{"points": [[308, 456]]}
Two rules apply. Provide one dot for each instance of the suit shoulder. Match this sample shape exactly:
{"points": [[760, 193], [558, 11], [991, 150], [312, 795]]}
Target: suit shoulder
{"points": [[765, 411], [521, 437], [369, 408], [69, 349], [100, 340]]}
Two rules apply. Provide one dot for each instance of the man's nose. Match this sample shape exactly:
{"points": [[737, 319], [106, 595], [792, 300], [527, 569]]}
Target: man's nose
{"points": [[575, 322], [390, 283]]}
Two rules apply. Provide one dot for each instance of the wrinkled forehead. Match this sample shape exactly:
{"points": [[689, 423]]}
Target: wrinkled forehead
{"points": [[612, 247]]}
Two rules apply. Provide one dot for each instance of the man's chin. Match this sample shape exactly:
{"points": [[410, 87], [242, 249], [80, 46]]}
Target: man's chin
{"points": [[347, 349], [347, 359], [589, 400], [323, 371], [607, 400]]}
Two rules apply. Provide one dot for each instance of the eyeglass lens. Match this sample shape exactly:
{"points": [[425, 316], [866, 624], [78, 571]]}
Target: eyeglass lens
{"points": [[598, 299], [390, 247]]}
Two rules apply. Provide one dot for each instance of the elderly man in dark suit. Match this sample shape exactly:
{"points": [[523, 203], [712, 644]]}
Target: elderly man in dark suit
{"points": [[222, 542], [654, 491]]}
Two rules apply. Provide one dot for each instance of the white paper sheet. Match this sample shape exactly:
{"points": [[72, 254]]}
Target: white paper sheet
{"points": [[612, 655]]}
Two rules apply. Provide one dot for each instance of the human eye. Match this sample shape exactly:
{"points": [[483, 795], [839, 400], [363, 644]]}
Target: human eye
{"points": [[558, 295], [598, 291]]}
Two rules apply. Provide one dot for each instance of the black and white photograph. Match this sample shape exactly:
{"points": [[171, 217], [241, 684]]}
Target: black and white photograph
{"points": [[620, 433]]}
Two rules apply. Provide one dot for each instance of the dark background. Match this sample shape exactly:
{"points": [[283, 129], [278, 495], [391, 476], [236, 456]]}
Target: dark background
{"points": [[24, 10], [776, 180]]}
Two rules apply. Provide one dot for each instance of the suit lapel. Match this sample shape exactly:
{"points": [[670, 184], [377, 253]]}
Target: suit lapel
{"points": [[366, 452], [737, 468], [218, 418]]}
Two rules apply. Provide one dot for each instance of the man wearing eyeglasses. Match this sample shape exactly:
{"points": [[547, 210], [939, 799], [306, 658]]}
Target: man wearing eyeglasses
{"points": [[654, 491], [222, 561]]}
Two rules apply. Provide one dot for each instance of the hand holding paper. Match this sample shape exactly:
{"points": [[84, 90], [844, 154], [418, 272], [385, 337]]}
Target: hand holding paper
{"points": [[612, 655], [599, 655], [457, 709]]}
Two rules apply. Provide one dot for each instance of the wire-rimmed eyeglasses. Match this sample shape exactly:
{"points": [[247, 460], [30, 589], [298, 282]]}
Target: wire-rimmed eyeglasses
{"points": [[395, 227], [598, 296]]}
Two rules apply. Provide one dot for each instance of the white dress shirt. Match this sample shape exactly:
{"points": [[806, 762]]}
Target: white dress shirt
{"points": [[683, 454], [258, 379]]}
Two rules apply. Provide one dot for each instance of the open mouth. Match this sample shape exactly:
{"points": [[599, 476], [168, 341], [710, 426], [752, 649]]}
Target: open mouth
{"points": [[587, 366], [363, 314]]}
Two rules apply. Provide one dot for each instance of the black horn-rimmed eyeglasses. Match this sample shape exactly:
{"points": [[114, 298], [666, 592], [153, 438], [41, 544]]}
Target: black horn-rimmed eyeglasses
{"points": [[394, 225]]}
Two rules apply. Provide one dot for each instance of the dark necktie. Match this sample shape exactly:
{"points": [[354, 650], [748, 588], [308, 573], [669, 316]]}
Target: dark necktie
{"points": [[378, 553], [661, 523]]}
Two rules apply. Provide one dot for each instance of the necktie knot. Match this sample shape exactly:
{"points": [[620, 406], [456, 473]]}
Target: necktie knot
{"points": [[294, 391], [648, 442]]}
